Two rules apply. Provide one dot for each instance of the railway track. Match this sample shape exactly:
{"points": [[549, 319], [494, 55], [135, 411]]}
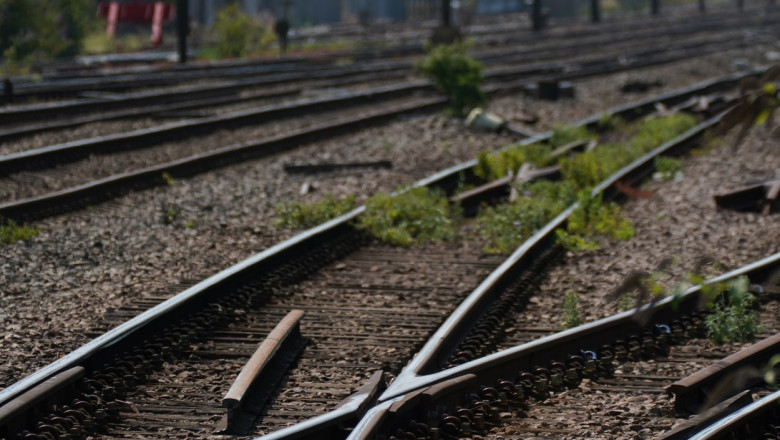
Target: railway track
{"points": [[30, 189], [573, 384], [146, 354], [285, 76]]}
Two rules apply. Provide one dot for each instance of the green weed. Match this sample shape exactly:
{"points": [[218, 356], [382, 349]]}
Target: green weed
{"points": [[733, 318], [609, 121], [588, 169], [168, 179], [492, 166], [565, 134], [170, 216], [299, 215], [508, 225], [415, 216], [237, 34], [455, 74], [591, 222], [10, 232], [571, 310], [667, 168]]}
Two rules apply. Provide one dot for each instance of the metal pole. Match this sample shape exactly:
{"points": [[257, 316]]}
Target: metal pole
{"points": [[537, 15], [595, 11], [655, 7], [182, 27], [702, 6], [445, 13]]}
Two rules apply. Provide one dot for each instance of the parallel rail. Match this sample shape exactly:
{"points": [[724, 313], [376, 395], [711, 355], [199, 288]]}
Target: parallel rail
{"points": [[422, 372]]}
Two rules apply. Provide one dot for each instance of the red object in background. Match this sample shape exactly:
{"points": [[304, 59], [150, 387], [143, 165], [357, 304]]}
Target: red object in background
{"points": [[155, 13], [157, 23], [113, 17], [137, 12]]}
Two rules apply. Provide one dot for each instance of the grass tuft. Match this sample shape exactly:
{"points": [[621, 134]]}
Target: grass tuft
{"points": [[10, 232]]}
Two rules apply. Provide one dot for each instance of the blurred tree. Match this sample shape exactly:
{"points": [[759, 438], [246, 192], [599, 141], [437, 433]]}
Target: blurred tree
{"points": [[38, 30]]}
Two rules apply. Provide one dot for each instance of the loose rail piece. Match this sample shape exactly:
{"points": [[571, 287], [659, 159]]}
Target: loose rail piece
{"points": [[252, 387], [723, 377]]}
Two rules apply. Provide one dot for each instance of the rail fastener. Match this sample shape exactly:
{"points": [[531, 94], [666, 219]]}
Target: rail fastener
{"points": [[254, 384], [746, 422], [333, 424], [724, 378], [684, 430], [38, 401], [763, 197], [329, 167]]}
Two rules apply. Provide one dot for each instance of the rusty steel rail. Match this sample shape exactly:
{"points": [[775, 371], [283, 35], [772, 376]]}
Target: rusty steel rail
{"points": [[424, 369], [439, 348], [34, 403], [106, 188], [45, 117], [593, 36], [143, 138], [109, 187], [688, 428], [724, 378], [332, 424], [558, 71], [254, 384], [745, 423], [496, 373], [176, 309], [762, 197]]}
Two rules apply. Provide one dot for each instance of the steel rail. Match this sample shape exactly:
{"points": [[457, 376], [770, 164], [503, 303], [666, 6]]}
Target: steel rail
{"points": [[100, 190], [146, 137], [758, 413], [330, 424], [692, 393], [74, 150], [507, 363], [46, 117], [421, 373], [712, 21], [516, 55], [103, 189], [192, 299], [426, 364]]}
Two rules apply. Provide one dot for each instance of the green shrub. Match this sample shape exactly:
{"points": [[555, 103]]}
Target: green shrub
{"points": [[566, 134], [588, 169], [593, 221], [667, 167], [235, 31], [508, 225], [299, 216], [492, 166], [456, 75], [733, 318], [415, 216], [611, 122], [571, 310], [38, 30], [10, 232], [656, 131]]}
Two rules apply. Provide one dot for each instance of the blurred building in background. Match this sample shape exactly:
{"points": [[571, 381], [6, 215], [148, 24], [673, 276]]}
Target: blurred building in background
{"points": [[316, 12]]}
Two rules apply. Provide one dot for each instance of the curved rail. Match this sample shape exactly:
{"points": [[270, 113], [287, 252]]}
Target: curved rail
{"points": [[192, 299], [90, 193], [737, 425], [506, 364]]}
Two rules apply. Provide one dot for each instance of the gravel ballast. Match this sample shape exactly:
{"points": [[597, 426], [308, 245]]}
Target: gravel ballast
{"points": [[57, 285]]}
